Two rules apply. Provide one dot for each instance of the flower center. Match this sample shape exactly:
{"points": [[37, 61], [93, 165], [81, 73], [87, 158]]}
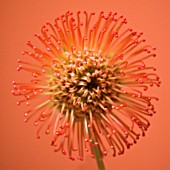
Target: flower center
{"points": [[84, 84], [92, 84]]}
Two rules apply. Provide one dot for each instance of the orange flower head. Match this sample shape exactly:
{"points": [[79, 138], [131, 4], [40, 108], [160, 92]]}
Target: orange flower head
{"points": [[89, 78]]}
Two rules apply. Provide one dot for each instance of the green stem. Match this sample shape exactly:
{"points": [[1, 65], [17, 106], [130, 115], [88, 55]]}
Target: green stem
{"points": [[98, 157]]}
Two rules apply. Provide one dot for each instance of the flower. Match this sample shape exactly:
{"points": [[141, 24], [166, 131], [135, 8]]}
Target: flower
{"points": [[90, 78]]}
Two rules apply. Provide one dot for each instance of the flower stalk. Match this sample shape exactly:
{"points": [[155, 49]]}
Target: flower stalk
{"points": [[99, 158], [97, 155]]}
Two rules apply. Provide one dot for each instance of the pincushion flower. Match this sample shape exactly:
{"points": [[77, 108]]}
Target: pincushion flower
{"points": [[91, 75]]}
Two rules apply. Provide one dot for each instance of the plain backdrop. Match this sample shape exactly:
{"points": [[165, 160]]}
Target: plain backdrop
{"points": [[19, 148]]}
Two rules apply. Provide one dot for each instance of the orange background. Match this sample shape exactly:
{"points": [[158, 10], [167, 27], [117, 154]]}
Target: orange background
{"points": [[19, 148]]}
